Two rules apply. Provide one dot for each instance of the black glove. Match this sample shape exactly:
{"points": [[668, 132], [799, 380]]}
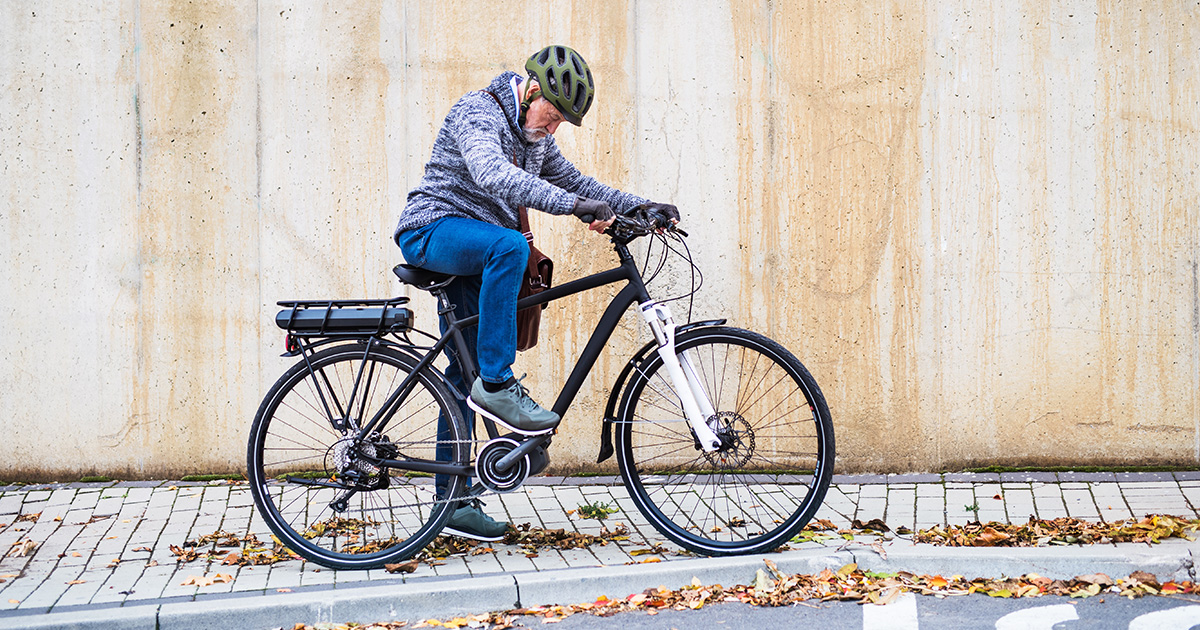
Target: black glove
{"points": [[667, 210], [589, 210], [662, 214]]}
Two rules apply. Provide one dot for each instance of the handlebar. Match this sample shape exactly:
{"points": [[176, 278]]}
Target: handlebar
{"points": [[639, 222]]}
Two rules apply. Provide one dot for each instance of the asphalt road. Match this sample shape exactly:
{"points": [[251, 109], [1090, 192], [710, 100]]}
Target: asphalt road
{"points": [[915, 612]]}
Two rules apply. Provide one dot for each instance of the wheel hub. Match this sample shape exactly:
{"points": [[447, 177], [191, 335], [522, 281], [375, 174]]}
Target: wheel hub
{"points": [[737, 441], [351, 460]]}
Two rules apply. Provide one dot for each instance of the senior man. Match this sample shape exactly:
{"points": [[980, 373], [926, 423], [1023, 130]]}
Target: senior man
{"points": [[496, 153]]}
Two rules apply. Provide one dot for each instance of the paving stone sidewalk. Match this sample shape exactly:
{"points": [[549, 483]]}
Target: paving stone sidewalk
{"points": [[74, 545]]}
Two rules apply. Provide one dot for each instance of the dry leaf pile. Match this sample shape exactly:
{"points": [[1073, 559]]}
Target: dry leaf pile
{"points": [[531, 540], [231, 549], [1035, 533], [1060, 531], [772, 587]]}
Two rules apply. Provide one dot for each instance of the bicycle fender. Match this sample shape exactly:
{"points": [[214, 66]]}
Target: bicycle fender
{"points": [[614, 396]]}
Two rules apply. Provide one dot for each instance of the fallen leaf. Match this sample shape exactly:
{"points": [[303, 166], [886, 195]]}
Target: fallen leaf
{"points": [[204, 580], [1096, 578], [142, 549], [1145, 578], [989, 537], [874, 524], [77, 582], [889, 596], [403, 567], [847, 569], [14, 601], [1029, 590], [76, 554], [762, 583], [998, 497]]}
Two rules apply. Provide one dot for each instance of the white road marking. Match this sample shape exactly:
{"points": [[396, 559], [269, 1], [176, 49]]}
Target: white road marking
{"points": [[1038, 618], [1178, 618], [898, 615]]}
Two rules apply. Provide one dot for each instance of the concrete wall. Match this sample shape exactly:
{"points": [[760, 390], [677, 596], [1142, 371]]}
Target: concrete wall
{"points": [[975, 222]]}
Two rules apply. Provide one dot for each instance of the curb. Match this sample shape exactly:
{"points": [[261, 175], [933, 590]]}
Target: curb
{"points": [[449, 597], [1171, 560]]}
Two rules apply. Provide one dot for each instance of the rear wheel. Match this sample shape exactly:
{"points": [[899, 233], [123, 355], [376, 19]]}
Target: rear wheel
{"points": [[313, 480], [770, 474]]}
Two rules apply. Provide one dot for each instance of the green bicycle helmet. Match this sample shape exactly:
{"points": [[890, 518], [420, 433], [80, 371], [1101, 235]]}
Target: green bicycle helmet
{"points": [[565, 81]]}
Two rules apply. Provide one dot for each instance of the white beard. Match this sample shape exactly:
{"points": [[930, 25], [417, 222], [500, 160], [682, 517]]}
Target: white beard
{"points": [[534, 135]]}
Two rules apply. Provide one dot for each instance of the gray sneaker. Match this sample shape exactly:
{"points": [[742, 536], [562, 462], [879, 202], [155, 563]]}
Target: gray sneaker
{"points": [[468, 521], [513, 408]]}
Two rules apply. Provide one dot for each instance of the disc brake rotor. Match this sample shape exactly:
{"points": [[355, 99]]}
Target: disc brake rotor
{"points": [[737, 441]]}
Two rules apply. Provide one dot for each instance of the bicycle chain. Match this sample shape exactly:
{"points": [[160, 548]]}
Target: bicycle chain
{"points": [[471, 494]]}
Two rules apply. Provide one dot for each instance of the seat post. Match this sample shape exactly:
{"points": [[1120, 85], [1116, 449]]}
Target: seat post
{"points": [[445, 307]]}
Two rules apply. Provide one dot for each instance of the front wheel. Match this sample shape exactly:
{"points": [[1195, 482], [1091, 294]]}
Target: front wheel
{"points": [[313, 478], [770, 474]]}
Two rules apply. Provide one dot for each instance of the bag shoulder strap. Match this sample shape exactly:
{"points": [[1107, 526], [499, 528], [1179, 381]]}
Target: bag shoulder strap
{"points": [[522, 212]]}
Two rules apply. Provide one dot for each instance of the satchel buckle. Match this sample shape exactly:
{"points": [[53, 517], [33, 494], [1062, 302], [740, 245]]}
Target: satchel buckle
{"points": [[528, 237]]}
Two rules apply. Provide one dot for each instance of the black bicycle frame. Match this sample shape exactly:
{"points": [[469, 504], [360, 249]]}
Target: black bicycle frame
{"points": [[634, 293]]}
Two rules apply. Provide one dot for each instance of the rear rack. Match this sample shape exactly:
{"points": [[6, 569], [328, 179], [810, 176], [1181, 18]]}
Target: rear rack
{"points": [[351, 318]]}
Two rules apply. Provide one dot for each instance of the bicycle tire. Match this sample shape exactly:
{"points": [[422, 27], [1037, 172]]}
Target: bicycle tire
{"points": [[298, 466], [771, 475]]}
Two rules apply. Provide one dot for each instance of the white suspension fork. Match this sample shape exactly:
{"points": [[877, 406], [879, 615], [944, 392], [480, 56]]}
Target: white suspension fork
{"points": [[696, 405]]}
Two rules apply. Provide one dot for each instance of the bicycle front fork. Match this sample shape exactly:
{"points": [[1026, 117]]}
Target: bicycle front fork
{"points": [[696, 405]]}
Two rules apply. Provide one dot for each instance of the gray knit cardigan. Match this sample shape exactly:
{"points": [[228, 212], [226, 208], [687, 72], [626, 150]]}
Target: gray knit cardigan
{"points": [[471, 173]]}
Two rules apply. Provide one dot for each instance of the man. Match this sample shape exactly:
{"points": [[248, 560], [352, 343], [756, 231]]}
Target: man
{"points": [[495, 153]]}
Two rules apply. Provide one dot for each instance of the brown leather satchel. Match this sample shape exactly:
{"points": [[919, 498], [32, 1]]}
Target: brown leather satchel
{"points": [[538, 276]]}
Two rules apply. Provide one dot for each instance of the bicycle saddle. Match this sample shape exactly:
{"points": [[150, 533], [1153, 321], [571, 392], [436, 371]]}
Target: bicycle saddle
{"points": [[422, 278]]}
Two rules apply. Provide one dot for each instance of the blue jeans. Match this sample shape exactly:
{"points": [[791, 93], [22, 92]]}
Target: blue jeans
{"points": [[490, 261]]}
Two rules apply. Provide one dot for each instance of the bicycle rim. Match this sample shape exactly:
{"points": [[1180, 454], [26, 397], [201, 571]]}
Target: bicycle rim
{"points": [[301, 464], [772, 472]]}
